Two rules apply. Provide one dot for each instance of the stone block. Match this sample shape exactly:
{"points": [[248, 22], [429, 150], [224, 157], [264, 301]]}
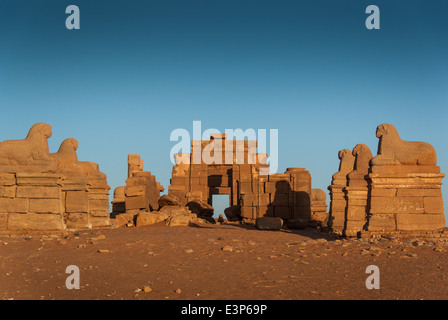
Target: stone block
{"points": [[7, 179], [147, 218], [75, 185], [338, 205], [396, 205], [99, 205], [8, 191], [77, 220], [135, 203], [124, 218], [38, 179], [381, 192], [134, 191], [42, 206], [245, 187], [269, 223], [178, 221], [382, 222], [98, 222], [33, 192], [248, 212], [35, 222], [76, 201], [98, 196], [419, 192], [353, 227], [414, 222], [14, 205], [264, 199], [351, 202], [99, 213], [433, 204], [248, 200], [357, 213], [182, 181]]}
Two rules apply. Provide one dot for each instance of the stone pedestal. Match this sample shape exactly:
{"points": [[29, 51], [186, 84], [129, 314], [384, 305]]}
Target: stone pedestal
{"points": [[406, 198], [30, 202], [356, 211], [338, 203]]}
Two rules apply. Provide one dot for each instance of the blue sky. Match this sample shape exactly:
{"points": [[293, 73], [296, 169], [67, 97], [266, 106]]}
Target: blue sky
{"points": [[136, 70]]}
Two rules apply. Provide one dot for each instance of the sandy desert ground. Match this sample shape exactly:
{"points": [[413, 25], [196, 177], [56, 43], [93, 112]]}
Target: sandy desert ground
{"points": [[217, 262]]}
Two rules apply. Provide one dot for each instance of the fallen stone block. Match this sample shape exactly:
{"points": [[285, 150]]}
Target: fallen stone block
{"points": [[178, 221], [200, 208], [149, 218], [168, 200], [233, 213], [269, 223]]}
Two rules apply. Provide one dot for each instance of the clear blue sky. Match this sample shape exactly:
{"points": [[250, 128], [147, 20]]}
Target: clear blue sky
{"points": [[136, 70]]}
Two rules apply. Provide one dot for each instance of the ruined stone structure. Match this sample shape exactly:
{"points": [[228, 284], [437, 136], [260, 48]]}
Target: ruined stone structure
{"points": [[396, 192], [85, 193], [319, 212], [405, 185], [338, 201], [43, 192], [221, 166], [141, 193]]}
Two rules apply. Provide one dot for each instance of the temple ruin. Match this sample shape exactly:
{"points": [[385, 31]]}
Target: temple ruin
{"points": [[397, 192], [44, 193], [141, 193], [239, 171]]}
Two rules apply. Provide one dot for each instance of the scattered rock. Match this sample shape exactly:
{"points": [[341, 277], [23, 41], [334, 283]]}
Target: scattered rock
{"points": [[147, 289], [200, 208], [227, 248], [168, 200], [100, 237], [233, 213], [149, 218], [417, 243], [171, 211], [124, 219], [178, 221]]}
